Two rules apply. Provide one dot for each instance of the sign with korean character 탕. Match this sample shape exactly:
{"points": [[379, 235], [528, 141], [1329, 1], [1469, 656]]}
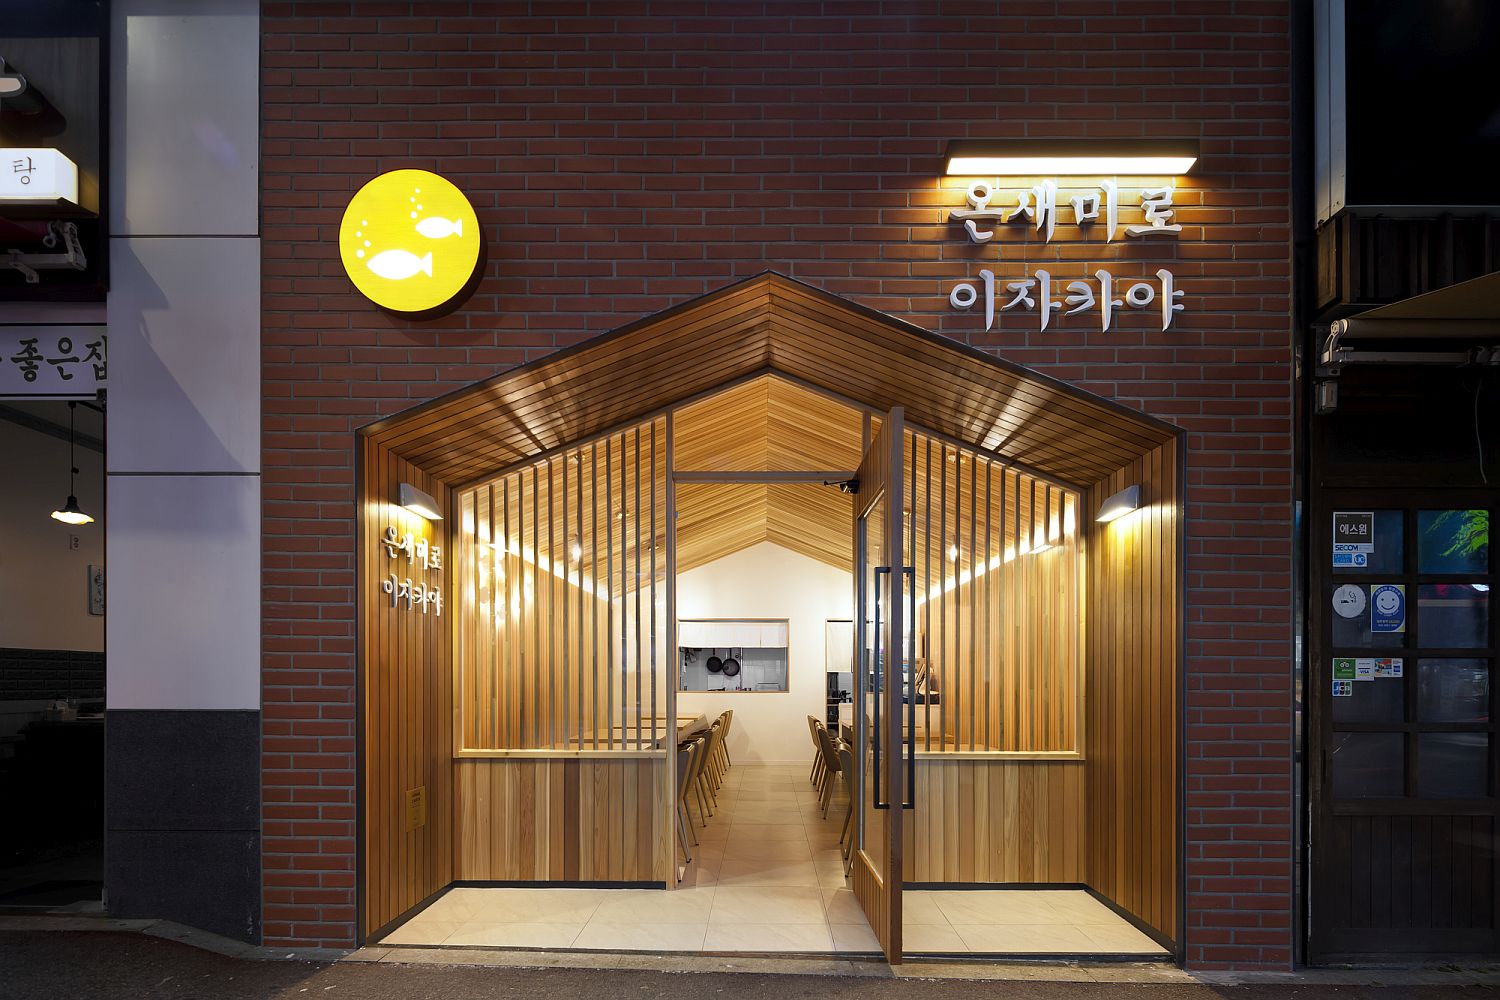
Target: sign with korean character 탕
{"points": [[1353, 538], [1100, 212], [37, 175], [69, 362]]}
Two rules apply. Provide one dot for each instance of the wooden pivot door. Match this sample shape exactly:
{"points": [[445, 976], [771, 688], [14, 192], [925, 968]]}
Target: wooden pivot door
{"points": [[883, 594]]}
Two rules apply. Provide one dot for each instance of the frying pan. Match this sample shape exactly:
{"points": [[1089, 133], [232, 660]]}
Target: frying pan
{"points": [[730, 665], [715, 665]]}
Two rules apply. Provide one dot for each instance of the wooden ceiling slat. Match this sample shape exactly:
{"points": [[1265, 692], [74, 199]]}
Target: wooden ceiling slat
{"points": [[625, 388], [517, 408], [1071, 466], [950, 367], [792, 299], [470, 456], [771, 322], [393, 431], [832, 359]]}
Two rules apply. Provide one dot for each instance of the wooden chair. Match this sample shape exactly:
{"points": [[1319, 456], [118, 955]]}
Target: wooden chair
{"points": [[685, 754], [707, 775], [716, 762], [694, 780], [846, 760], [832, 766], [728, 719], [812, 731]]}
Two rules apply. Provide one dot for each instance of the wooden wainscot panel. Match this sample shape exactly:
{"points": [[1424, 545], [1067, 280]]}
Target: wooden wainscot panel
{"points": [[1133, 707], [994, 820], [564, 819], [406, 695]]}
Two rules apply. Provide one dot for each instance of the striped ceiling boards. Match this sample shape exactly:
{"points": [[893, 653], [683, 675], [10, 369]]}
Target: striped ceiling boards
{"points": [[769, 324]]}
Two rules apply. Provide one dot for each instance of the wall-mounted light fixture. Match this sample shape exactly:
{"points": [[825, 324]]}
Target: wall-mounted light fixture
{"points": [[419, 503], [1119, 504], [1070, 157]]}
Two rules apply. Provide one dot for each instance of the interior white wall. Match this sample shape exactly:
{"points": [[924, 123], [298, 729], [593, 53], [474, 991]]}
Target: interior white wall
{"points": [[768, 581], [44, 602]]}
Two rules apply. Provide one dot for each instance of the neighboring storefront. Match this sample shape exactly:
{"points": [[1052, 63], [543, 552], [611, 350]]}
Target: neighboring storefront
{"points": [[1402, 397], [1088, 262]]}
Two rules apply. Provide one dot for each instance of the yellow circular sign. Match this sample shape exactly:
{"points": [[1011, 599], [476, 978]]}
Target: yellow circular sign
{"points": [[409, 241]]}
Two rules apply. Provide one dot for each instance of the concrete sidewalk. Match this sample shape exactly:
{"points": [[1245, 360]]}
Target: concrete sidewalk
{"points": [[59, 964]]}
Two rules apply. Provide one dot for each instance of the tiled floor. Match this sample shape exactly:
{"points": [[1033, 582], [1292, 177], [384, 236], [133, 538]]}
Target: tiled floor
{"points": [[768, 877]]}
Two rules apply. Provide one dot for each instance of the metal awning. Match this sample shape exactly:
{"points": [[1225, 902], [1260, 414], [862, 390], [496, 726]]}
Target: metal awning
{"points": [[1456, 325], [1469, 310]]}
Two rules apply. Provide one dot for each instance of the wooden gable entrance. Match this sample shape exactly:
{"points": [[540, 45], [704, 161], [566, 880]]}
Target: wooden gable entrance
{"points": [[505, 776]]}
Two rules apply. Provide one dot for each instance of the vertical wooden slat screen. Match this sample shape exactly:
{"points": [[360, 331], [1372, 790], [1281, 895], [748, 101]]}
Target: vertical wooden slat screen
{"points": [[559, 622], [997, 558]]}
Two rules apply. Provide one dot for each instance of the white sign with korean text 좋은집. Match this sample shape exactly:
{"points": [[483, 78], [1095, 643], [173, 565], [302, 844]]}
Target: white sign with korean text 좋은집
{"points": [[1095, 209], [63, 361]]}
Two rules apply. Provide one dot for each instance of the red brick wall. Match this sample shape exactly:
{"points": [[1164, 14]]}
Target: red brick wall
{"points": [[624, 157]]}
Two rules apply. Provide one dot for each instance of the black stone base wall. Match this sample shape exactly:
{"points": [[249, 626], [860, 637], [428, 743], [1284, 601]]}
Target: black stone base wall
{"points": [[182, 818]]}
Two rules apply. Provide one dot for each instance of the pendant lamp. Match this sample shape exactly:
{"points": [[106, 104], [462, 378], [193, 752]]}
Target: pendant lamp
{"points": [[71, 513]]}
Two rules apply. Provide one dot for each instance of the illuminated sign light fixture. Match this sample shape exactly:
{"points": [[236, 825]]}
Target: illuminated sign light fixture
{"points": [[419, 503], [37, 176], [410, 242], [1070, 157], [1120, 504]]}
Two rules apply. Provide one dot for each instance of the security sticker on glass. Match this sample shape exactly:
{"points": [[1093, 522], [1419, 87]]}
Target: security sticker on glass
{"points": [[1353, 538]]}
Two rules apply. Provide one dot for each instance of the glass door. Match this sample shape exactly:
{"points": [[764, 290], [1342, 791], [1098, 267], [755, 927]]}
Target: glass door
{"points": [[1404, 774], [883, 596]]}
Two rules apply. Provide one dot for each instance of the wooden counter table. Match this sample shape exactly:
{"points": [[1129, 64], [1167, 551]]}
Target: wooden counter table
{"points": [[686, 726]]}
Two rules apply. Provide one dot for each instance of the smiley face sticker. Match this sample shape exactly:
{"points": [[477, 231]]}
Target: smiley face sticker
{"points": [[1388, 608], [410, 241]]}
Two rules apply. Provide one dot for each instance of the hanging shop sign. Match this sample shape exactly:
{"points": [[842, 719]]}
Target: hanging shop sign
{"points": [[63, 361], [1096, 211], [410, 242], [1388, 608], [1353, 538], [33, 176], [417, 595]]}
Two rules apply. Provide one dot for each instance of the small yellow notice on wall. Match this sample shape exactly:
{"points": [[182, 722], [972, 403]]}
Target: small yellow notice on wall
{"points": [[410, 241]]}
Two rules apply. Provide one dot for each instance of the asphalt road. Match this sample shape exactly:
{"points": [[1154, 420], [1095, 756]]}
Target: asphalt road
{"points": [[57, 965]]}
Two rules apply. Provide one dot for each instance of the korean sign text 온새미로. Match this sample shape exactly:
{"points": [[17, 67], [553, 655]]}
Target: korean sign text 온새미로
{"points": [[424, 555], [1097, 207]]}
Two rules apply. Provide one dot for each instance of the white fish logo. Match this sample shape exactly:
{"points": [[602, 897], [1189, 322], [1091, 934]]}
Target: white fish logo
{"points": [[398, 265], [435, 227]]}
